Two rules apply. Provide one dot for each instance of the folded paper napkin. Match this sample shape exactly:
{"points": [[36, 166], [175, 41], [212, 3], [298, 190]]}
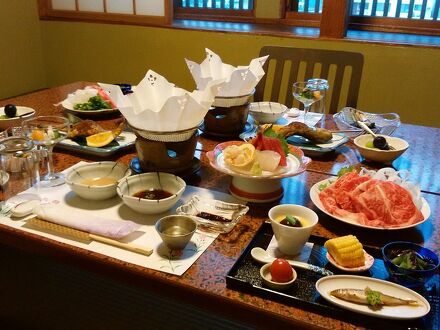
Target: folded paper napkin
{"points": [[158, 105], [95, 225], [238, 81]]}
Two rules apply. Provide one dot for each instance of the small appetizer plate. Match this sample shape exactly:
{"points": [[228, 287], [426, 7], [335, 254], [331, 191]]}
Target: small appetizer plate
{"points": [[267, 279], [328, 284], [369, 261], [213, 215]]}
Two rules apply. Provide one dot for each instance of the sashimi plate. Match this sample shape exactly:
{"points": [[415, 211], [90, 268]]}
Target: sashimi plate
{"points": [[69, 108], [329, 283], [314, 196], [296, 163]]}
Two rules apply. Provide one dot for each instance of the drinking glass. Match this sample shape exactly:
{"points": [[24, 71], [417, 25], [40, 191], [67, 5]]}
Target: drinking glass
{"points": [[46, 131], [17, 166], [307, 94]]}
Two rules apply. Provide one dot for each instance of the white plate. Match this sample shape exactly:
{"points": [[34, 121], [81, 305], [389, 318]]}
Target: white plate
{"points": [[89, 112], [329, 283], [295, 164], [314, 196], [369, 261]]}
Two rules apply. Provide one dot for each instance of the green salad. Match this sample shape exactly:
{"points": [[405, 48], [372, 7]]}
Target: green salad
{"points": [[94, 103]]}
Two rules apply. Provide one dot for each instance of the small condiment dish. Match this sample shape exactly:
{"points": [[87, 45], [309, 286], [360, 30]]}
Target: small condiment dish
{"points": [[176, 230], [23, 113], [170, 185], [96, 181], [267, 112], [406, 276], [291, 240], [213, 215], [377, 155], [267, 279]]}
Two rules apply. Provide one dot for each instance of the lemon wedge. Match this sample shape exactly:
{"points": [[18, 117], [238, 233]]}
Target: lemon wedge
{"points": [[240, 156], [100, 139]]}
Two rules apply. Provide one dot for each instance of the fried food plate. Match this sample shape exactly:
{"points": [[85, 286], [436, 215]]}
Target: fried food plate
{"points": [[329, 283], [314, 196]]}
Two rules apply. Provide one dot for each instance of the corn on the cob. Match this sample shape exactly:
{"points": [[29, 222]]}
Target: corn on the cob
{"points": [[346, 250]]}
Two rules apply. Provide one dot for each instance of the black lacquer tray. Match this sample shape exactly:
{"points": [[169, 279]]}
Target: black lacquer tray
{"points": [[245, 276]]}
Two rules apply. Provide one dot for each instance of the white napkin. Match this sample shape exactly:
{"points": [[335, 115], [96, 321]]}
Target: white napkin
{"points": [[100, 226], [158, 105], [238, 81]]}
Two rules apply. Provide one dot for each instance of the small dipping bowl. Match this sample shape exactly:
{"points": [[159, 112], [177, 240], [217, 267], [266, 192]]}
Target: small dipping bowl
{"points": [[408, 277], [377, 155], [267, 279], [167, 182], [97, 181], [291, 240], [176, 230]]}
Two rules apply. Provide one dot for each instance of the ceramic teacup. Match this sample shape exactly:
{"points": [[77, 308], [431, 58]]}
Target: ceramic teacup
{"points": [[292, 239]]}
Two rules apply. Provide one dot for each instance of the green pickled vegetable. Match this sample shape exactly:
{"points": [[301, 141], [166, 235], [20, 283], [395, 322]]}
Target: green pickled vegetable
{"points": [[409, 259], [94, 103]]}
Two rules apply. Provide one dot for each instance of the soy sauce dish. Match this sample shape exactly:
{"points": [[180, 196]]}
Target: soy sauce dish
{"points": [[151, 193]]}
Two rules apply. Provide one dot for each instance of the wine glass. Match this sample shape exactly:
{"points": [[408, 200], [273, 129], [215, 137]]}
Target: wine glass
{"points": [[307, 94], [45, 132]]}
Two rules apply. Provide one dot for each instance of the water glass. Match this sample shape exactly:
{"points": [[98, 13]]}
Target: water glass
{"points": [[18, 171]]}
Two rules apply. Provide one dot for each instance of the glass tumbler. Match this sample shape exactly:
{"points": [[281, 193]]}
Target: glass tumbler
{"points": [[319, 106], [18, 170]]}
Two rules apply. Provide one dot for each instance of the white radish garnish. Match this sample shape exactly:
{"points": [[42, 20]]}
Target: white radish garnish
{"points": [[268, 160]]}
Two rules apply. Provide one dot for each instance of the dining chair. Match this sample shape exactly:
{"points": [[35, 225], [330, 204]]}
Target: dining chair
{"points": [[342, 69]]}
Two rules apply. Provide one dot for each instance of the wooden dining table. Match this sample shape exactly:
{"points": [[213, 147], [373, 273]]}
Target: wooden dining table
{"points": [[53, 284]]}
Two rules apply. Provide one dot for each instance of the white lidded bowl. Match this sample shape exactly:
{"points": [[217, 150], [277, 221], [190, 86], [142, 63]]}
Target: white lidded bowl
{"points": [[377, 155], [97, 181], [267, 112], [291, 240], [22, 114], [150, 181]]}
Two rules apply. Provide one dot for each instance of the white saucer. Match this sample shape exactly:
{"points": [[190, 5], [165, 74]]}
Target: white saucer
{"points": [[369, 261]]}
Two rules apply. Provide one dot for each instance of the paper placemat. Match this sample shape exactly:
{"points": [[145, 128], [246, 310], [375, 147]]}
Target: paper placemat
{"points": [[162, 259]]}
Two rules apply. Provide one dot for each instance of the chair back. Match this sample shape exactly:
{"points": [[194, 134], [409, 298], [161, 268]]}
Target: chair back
{"points": [[342, 69]]}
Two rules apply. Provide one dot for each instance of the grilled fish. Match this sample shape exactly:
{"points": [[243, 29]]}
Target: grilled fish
{"points": [[89, 127], [372, 298], [316, 135]]}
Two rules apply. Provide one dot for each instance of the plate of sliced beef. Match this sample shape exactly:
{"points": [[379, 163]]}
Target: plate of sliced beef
{"points": [[370, 203]]}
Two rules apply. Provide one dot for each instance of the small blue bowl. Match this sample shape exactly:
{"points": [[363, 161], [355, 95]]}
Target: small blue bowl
{"points": [[408, 277]]}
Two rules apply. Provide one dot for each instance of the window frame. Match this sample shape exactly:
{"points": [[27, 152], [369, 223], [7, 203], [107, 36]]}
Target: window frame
{"points": [[234, 15], [363, 23], [47, 12]]}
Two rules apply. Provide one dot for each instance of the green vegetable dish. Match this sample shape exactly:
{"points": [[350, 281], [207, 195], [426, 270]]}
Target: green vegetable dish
{"points": [[94, 103], [409, 259]]}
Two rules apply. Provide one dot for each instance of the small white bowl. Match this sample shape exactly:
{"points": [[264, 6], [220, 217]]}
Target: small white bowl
{"points": [[80, 179], [291, 240], [267, 279], [15, 121], [146, 182], [267, 112], [377, 155]]}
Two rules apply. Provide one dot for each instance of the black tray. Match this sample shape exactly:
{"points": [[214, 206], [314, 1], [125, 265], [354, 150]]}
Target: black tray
{"points": [[245, 276]]}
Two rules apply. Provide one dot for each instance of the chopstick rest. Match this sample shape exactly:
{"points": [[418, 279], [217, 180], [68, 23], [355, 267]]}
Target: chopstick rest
{"points": [[85, 236]]}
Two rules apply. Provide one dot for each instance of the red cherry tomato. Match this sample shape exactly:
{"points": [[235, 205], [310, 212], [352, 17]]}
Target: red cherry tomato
{"points": [[281, 271]]}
